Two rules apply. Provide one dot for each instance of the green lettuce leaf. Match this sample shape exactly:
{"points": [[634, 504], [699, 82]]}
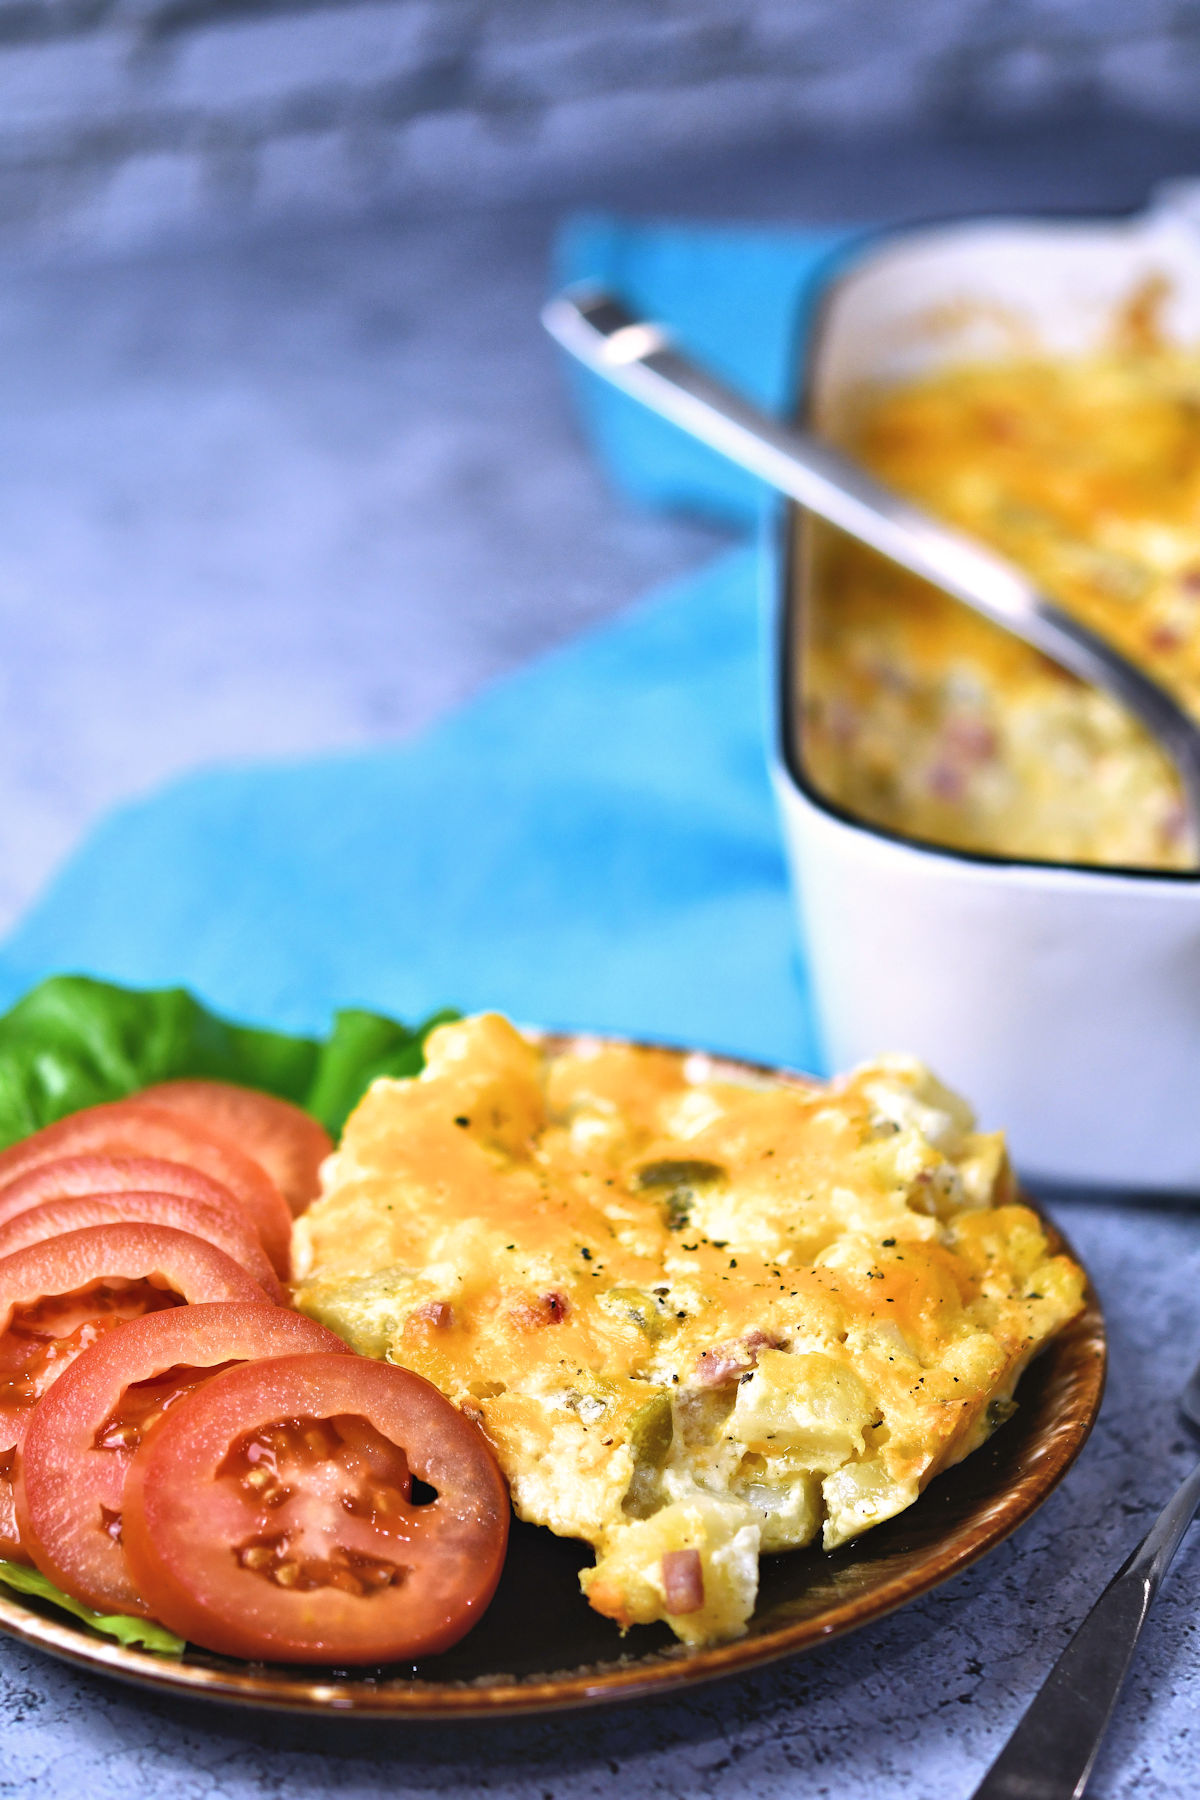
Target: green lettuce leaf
{"points": [[362, 1046], [142, 1633], [73, 1041]]}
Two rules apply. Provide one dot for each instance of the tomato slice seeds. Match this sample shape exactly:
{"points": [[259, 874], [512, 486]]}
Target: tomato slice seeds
{"points": [[82, 1437], [59, 1296], [270, 1514]]}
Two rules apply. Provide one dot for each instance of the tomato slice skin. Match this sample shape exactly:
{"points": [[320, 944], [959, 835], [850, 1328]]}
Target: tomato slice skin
{"points": [[194, 1527], [70, 1485], [152, 1262], [73, 1177], [228, 1230], [183, 1263], [288, 1143], [135, 1128]]}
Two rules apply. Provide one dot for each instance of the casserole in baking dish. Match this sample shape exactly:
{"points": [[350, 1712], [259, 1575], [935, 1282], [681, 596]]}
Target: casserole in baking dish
{"points": [[1085, 471], [989, 858]]}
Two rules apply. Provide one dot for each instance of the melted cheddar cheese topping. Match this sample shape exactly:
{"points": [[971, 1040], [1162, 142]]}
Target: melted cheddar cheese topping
{"points": [[921, 717], [698, 1319]]}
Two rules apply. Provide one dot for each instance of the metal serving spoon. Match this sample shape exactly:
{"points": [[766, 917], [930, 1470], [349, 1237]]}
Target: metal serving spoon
{"points": [[637, 356], [1051, 1753]]}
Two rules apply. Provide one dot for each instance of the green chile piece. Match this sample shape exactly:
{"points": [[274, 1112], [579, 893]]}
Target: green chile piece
{"points": [[635, 1305], [651, 1430], [675, 1181]]}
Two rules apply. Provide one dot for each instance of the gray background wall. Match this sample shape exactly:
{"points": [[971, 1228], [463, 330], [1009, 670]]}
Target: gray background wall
{"points": [[123, 120]]}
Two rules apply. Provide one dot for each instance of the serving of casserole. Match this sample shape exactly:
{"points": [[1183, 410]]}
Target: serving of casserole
{"points": [[1085, 471], [699, 1318]]}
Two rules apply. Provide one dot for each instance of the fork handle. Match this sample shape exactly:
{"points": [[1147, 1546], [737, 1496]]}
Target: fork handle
{"points": [[1050, 1754]]}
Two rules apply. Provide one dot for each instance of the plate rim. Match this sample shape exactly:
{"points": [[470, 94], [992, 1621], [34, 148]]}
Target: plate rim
{"points": [[1080, 1349]]}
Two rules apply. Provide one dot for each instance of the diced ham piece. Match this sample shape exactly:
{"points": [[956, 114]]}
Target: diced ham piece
{"points": [[1175, 823], [438, 1314], [683, 1581], [547, 1309], [946, 781], [972, 739], [726, 1362], [841, 722]]}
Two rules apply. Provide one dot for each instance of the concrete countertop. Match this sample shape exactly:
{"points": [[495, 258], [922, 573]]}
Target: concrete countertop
{"points": [[317, 488]]}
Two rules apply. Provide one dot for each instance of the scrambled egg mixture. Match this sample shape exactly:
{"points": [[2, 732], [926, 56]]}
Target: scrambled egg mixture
{"points": [[923, 718], [698, 1319]]}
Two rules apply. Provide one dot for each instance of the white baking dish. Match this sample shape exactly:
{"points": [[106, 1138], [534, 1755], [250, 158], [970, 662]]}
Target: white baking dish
{"points": [[1064, 1000]]}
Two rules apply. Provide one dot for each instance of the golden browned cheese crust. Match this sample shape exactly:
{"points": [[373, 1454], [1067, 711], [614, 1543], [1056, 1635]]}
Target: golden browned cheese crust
{"points": [[923, 718], [697, 1319]]}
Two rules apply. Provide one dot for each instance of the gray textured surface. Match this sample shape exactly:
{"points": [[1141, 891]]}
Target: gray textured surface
{"points": [[127, 120], [280, 497], [300, 492]]}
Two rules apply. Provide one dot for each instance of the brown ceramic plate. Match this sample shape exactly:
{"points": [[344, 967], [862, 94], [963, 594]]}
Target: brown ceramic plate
{"points": [[540, 1647]]}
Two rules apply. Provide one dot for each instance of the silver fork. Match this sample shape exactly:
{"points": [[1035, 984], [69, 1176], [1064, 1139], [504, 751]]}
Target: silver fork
{"points": [[1051, 1753]]}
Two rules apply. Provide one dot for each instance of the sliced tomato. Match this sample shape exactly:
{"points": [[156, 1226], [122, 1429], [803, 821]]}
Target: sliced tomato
{"points": [[135, 1128], [82, 1434], [59, 1296], [288, 1143], [228, 1230], [71, 1177], [271, 1514]]}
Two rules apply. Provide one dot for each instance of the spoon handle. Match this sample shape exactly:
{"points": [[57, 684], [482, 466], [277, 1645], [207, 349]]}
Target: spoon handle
{"points": [[1050, 1754], [638, 357]]}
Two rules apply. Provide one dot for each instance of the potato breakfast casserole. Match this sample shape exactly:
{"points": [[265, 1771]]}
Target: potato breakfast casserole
{"points": [[922, 717], [699, 1318]]}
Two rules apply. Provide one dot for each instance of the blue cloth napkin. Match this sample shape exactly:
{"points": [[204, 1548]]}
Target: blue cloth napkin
{"points": [[590, 843]]}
